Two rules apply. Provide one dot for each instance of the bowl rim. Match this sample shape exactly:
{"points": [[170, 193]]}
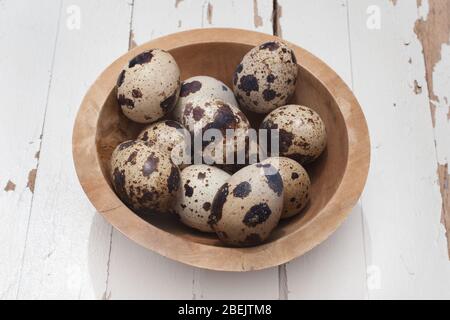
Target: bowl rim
{"points": [[277, 252]]}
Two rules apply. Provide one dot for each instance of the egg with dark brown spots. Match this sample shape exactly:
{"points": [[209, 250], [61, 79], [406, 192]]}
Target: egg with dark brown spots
{"points": [[171, 137], [212, 122], [199, 185], [296, 184], [248, 206], [202, 88], [301, 131], [148, 86], [266, 77], [144, 177]]}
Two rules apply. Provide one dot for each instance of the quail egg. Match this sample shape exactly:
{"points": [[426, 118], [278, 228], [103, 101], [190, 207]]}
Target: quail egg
{"points": [[296, 184], [199, 186], [265, 78], [148, 86], [302, 133], [169, 136], [248, 206], [218, 124], [144, 177], [202, 88]]}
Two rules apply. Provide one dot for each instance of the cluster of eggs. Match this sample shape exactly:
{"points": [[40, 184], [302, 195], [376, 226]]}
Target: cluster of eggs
{"points": [[241, 206]]}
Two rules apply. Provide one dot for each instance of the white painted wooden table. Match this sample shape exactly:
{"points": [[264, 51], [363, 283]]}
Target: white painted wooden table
{"points": [[394, 54]]}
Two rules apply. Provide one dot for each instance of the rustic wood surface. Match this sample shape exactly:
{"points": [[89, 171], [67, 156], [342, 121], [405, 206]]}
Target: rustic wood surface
{"points": [[395, 54]]}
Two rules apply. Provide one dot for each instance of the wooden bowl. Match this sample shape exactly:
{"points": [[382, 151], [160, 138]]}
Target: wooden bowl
{"points": [[338, 176]]}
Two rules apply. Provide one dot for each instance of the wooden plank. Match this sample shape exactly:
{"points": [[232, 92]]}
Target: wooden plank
{"points": [[26, 54], [136, 272], [67, 248], [405, 240], [336, 269]]}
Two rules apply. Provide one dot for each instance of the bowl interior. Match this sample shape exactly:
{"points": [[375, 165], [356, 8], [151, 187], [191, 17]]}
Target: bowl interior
{"points": [[219, 60]]}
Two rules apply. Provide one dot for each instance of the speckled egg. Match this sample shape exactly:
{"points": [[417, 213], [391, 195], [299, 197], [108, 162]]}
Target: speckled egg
{"points": [[296, 184], [199, 186], [301, 132], [265, 78], [169, 136], [144, 178], [148, 86], [202, 88], [201, 115], [248, 206]]}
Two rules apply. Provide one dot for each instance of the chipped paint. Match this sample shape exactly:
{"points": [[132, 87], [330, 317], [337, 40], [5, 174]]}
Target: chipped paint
{"points": [[445, 194], [276, 16], [257, 19], [31, 179], [10, 186], [417, 88], [177, 3], [437, 24]]}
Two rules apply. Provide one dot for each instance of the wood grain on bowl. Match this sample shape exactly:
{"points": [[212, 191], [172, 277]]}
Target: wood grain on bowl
{"points": [[338, 176]]}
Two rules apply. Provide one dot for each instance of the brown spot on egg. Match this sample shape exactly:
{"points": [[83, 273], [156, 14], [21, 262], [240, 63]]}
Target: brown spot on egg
{"points": [[126, 144], [121, 78], [224, 119], [188, 190], [294, 175], [293, 57], [143, 58], [173, 182], [124, 101], [150, 165], [173, 124], [145, 136], [147, 196], [242, 190], [119, 185], [272, 46], [239, 68], [198, 113], [217, 205], [136, 93], [286, 139], [257, 215], [270, 78], [273, 178], [201, 175], [190, 87], [169, 103], [269, 94], [188, 109], [132, 158], [207, 206], [248, 83]]}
